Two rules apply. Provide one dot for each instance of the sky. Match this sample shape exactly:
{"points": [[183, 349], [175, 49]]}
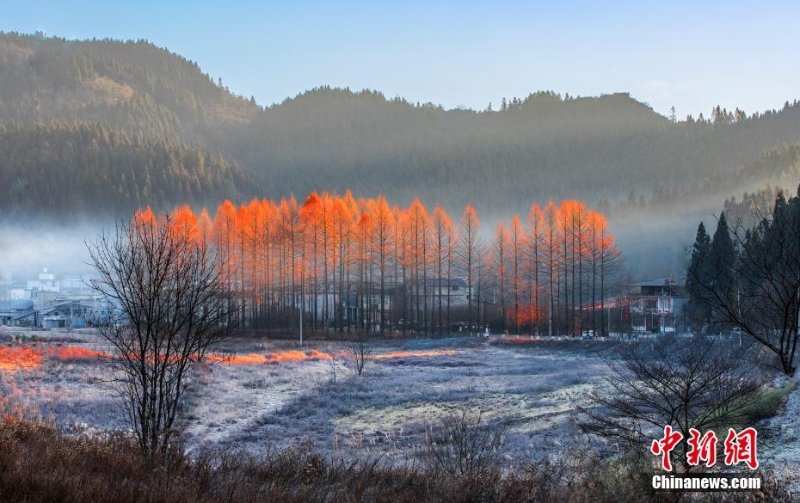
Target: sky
{"points": [[692, 55]]}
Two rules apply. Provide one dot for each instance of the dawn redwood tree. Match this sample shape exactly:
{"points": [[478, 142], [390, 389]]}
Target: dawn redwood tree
{"points": [[483, 277], [552, 262], [383, 224], [261, 225], [266, 257], [564, 226], [400, 262], [535, 256], [279, 258], [326, 220], [170, 292], [312, 225], [442, 251], [608, 260], [468, 253], [243, 238], [419, 232], [290, 232], [365, 259], [595, 224], [341, 223], [579, 233], [223, 230], [516, 249], [500, 255]]}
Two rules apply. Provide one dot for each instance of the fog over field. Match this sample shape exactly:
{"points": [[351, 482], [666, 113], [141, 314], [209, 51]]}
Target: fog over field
{"points": [[28, 247]]}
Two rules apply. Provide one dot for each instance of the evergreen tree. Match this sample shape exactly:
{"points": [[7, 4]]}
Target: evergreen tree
{"points": [[698, 310], [756, 292], [721, 267]]}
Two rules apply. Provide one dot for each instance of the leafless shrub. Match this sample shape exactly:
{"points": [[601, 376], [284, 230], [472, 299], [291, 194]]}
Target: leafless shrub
{"points": [[687, 384], [464, 444], [359, 353], [333, 362]]}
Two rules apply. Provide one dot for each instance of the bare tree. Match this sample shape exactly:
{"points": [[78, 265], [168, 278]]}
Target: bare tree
{"points": [[684, 384], [169, 291], [360, 353]]}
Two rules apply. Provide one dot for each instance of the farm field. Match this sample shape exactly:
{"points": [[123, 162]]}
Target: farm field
{"points": [[260, 395]]}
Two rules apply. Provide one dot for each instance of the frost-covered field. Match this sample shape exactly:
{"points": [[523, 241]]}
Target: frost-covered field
{"points": [[530, 391], [275, 395]]}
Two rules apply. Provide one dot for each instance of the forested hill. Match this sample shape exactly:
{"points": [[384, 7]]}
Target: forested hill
{"points": [[77, 170], [540, 147], [133, 86], [100, 118]]}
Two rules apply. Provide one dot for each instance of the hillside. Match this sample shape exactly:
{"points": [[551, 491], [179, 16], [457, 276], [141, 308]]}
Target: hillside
{"points": [[543, 146], [600, 149], [134, 86], [74, 170]]}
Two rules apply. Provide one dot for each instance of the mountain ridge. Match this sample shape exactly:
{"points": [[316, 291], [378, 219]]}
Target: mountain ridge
{"points": [[327, 139]]}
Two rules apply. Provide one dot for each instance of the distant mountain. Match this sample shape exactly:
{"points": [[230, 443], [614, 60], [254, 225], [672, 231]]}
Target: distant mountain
{"points": [[60, 98], [540, 147]]}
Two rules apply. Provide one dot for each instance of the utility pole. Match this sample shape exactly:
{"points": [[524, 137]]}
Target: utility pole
{"points": [[302, 302]]}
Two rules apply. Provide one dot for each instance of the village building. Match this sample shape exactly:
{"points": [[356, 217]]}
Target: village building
{"points": [[453, 290], [651, 306], [18, 313]]}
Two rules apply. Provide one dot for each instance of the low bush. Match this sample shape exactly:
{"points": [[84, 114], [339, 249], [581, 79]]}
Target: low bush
{"points": [[38, 464]]}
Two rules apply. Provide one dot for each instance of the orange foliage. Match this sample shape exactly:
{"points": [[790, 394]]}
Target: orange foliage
{"points": [[74, 353], [19, 358], [184, 223], [413, 353], [297, 356], [26, 358], [313, 354], [281, 356], [251, 359], [281, 256]]}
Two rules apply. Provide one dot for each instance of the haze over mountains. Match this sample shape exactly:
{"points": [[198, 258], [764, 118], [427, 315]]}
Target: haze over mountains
{"points": [[100, 128]]}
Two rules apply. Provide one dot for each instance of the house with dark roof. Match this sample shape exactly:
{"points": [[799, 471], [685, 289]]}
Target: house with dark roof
{"points": [[651, 306], [18, 313], [73, 313]]}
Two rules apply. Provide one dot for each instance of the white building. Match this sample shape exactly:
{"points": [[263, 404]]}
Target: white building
{"points": [[46, 283]]}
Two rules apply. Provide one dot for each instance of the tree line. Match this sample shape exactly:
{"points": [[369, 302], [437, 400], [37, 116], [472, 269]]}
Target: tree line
{"points": [[363, 265]]}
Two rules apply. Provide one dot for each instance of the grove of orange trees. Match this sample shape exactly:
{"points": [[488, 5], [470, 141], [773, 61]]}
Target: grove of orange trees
{"points": [[361, 265]]}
